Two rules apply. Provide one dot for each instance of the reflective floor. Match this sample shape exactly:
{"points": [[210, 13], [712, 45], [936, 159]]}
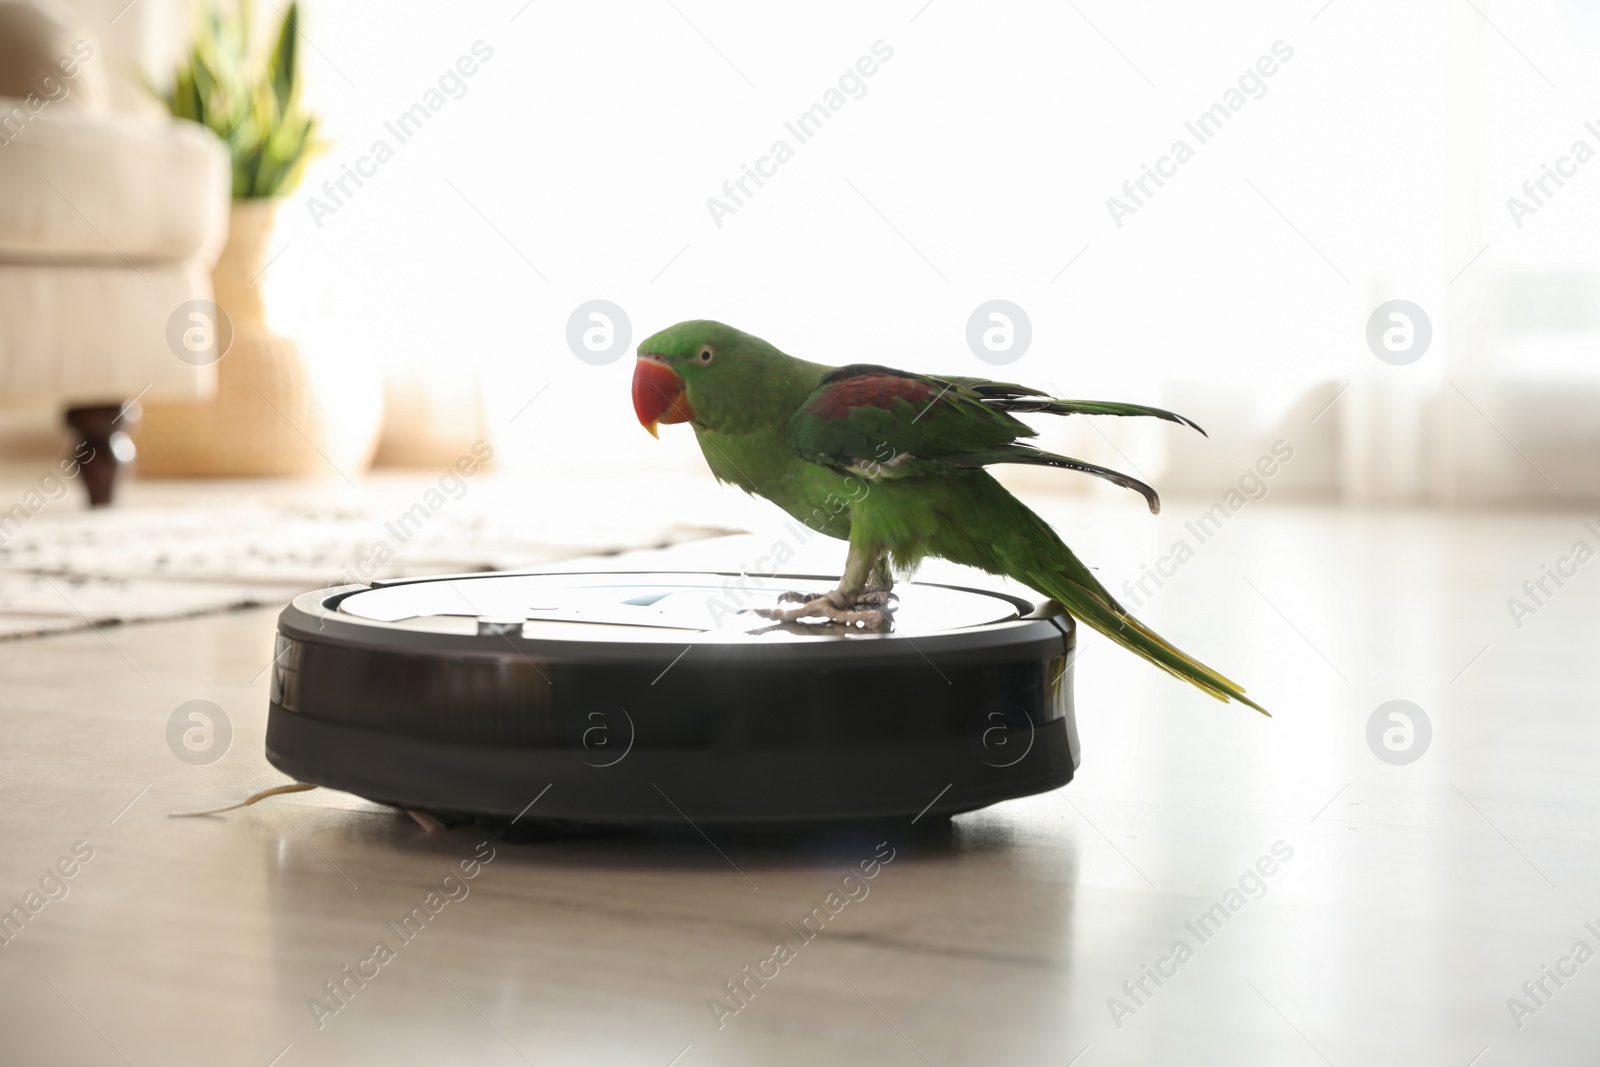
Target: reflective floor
{"points": [[1351, 882]]}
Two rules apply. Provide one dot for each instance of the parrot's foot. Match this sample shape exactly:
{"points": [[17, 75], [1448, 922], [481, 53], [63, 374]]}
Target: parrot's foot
{"points": [[870, 611], [873, 596]]}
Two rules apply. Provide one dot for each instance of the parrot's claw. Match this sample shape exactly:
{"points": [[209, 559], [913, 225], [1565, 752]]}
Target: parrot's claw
{"points": [[881, 599]]}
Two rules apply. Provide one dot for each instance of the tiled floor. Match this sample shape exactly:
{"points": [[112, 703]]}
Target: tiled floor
{"points": [[1406, 907]]}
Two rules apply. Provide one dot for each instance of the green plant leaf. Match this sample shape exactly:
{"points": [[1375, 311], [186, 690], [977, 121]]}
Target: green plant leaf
{"points": [[254, 108], [283, 67]]}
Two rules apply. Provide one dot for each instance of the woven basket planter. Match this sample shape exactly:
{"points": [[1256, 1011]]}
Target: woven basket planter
{"points": [[271, 416]]}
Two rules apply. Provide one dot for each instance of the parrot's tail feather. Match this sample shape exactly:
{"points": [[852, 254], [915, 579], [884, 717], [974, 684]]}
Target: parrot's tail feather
{"points": [[1136, 637], [1146, 642], [1022, 545], [1027, 454]]}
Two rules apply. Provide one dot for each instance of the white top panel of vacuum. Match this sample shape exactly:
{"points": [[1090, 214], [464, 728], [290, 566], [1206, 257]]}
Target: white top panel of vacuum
{"points": [[675, 606]]}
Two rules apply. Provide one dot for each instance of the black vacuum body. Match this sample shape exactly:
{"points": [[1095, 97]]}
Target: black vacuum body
{"points": [[652, 699]]}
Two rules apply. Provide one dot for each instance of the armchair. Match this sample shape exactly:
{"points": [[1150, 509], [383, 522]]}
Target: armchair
{"points": [[109, 222]]}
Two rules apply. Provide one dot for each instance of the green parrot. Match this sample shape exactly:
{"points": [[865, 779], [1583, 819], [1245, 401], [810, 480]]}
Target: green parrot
{"points": [[893, 463]]}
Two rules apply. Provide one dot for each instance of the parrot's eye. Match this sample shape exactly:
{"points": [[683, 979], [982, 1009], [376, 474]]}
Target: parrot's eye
{"points": [[705, 354]]}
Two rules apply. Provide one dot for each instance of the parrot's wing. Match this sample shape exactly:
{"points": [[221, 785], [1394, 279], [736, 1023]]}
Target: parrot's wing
{"points": [[889, 423], [912, 423]]}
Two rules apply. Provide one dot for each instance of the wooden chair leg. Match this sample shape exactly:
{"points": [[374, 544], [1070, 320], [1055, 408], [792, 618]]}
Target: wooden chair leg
{"points": [[104, 447]]}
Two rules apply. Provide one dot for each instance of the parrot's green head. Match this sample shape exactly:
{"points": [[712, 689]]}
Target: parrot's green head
{"points": [[706, 373]]}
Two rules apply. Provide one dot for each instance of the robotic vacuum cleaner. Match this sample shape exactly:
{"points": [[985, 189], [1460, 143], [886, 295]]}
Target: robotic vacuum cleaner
{"points": [[644, 700]]}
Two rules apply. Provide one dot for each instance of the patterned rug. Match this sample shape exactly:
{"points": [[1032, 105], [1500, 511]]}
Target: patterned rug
{"points": [[67, 569]]}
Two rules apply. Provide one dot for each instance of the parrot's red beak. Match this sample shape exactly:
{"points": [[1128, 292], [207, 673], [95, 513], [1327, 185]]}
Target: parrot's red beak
{"points": [[658, 395]]}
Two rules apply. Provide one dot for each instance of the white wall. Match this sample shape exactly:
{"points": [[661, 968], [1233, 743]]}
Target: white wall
{"points": [[977, 165]]}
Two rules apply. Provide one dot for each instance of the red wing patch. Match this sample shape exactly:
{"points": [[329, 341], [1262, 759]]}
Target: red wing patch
{"points": [[870, 391]]}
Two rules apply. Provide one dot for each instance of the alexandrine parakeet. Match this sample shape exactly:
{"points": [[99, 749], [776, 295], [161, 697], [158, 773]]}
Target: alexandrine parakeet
{"points": [[892, 462]]}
